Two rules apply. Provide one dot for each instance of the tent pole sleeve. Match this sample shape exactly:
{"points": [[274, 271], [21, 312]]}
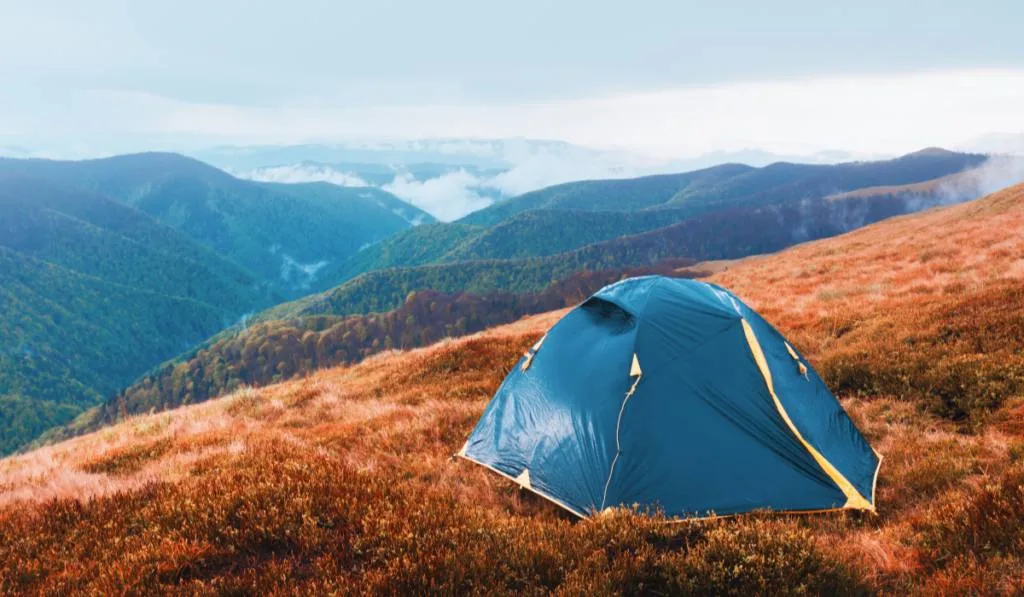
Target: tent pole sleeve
{"points": [[854, 500]]}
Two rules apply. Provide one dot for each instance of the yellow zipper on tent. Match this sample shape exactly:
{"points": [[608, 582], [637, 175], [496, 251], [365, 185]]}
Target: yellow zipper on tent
{"points": [[854, 500]]}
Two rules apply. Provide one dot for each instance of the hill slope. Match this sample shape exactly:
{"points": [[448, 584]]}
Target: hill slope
{"points": [[343, 481], [93, 294], [725, 234], [275, 350], [569, 216], [429, 243], [283, 233]]}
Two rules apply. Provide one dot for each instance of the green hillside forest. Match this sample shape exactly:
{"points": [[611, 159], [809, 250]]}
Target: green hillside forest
{"points": [[725, 234], [93, 293]]}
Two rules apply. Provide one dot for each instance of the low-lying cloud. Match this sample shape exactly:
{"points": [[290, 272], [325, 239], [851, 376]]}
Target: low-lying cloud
{"points": [[446, 197], [996, 173], [842, 214], [305, 173], [450, 195]]}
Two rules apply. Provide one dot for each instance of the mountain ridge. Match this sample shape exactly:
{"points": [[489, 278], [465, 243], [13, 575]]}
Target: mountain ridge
{"points": [[737, 185], [256, 225], [727, 234]]}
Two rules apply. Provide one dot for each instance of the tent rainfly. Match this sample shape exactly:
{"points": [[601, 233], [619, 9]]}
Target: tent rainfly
{"points": [[673, 395]]}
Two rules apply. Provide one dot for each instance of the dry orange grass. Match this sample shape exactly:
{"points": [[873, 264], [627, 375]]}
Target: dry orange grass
{"points": [[928, 306], [938, 252], [343, 482]]}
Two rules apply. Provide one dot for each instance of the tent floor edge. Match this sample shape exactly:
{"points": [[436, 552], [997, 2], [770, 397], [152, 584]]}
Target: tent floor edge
{"points": [[549, 498]]}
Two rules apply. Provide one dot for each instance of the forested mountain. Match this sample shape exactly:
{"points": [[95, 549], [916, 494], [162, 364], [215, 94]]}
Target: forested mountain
{"points": [[535, 233], [617, 195], [570, 216], [93, 293], [732, 185], [283, 233], [725, 234], [542, 232], [429, 243]]}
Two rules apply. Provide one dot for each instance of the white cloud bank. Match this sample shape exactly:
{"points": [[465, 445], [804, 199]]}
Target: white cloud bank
{"points": [[446, 197], [890, 114]]}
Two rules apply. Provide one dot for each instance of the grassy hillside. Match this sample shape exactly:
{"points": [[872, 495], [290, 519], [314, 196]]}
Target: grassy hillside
{"points": [[731, 185], [926, 306], [344, 481], [94, 293], [283, 233]]}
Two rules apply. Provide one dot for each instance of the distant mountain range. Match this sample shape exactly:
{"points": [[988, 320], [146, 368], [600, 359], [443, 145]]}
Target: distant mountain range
{"points": [[567, 217], [452, 177], [482, 154]]}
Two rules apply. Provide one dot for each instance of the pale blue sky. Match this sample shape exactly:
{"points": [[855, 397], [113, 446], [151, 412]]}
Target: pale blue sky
{"points": [[129, 73]]}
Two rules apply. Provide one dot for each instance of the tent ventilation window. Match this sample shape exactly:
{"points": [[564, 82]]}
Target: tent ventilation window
{"points": [[608, 315]]}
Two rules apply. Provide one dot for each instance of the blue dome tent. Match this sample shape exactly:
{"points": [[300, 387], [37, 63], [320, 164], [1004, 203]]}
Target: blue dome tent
{"points": [[672, 394]]}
